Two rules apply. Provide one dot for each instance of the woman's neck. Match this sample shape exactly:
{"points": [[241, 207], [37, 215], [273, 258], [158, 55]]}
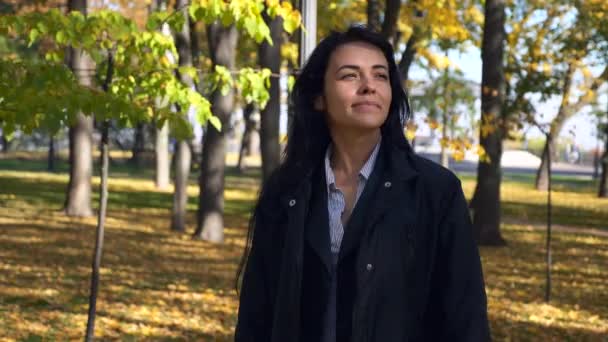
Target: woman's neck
{"points": [[351, 151]]}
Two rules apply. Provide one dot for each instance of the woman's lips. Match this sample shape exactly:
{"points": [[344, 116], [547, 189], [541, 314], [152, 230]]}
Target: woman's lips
{"points": [[366, 105]]}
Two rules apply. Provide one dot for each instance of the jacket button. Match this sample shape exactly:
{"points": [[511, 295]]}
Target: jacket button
{"points": [[292, 202], [387, 184], [369, 267]]}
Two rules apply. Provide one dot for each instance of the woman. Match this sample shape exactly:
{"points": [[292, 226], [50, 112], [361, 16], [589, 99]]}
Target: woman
{"points": [[354, 237]]}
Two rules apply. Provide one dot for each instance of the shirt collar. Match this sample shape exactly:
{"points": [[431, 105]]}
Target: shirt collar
{"points": [[365, 171]]}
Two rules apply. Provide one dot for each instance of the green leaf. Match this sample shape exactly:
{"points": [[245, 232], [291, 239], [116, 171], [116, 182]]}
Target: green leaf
{"points": [[250, 25], [291, 22], [291, 80], [176, 22], [153, 23], [227, 18], [60, 37], [215, 122], [34, 34]]}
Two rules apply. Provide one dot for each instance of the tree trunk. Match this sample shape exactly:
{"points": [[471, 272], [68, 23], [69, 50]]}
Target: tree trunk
{"points": [[139, 144], [486, 199], [373, 15], [51, 155], [180, 195], [78, 194], [542, 174], [596, 161], [101, 218], [103, 203], [246, 149], [445, 158], [564, 113], [210, 216], [270, 57], [603, 191], [183, 153], [162, 157], [389, 25], [4, 142], [407, 58], [161, 145]]}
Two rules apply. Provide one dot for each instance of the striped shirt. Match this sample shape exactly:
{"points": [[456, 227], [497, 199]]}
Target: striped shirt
{"points": [[335, 207], [335, 197]]}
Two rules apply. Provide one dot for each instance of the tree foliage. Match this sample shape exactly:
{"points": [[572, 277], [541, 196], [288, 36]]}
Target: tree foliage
{"points": [[144, 86]]}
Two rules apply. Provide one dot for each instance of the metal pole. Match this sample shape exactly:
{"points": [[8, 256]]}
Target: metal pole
{"points": [[308, 36], [549, 209]]}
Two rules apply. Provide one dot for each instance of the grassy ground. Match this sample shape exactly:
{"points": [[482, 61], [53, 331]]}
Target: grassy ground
{"points": [[159, 285]]}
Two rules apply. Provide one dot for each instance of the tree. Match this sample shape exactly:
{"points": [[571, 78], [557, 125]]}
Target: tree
{"points": [[161, 146], [183, 154], [536, 32], [566, 110], [78, 196], [222, 39], [161, 152], [247, 139], [603, 184], [51, 155], [124, 55], [137, 73], [139, 145], [270, 57], [210, 219], [411, 26], [603, 187], [445, 98], [486, 199], [373, 15], [4, 142]]}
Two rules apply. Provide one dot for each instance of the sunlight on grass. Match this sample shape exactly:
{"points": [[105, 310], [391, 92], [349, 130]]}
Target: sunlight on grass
{"points": [[522, 202], [160, 285]]}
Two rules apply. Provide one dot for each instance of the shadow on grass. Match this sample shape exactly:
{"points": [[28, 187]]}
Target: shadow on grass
{"points": [[563, 215], [504, 329], [49, 193], [139, 269]]}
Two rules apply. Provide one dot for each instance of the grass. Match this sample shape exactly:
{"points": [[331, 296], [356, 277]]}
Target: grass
{"points": [[574, 201], [160, 285]]}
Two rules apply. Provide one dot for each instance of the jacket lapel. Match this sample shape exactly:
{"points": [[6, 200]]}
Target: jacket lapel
{"points": [[394, 184], [317, 227], [383, 192], [286, 318], [353, 231]]}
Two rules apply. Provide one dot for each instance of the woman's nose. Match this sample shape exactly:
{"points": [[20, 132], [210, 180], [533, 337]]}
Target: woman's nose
{"points": [[367, 85]]}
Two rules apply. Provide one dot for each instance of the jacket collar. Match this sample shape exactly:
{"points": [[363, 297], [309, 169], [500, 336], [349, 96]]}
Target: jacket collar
{"points": [[394, 169], [399, 166]]}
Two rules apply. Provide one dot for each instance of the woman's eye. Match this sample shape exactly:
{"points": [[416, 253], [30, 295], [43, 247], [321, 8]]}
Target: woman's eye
{"points": [[383, 76], [348, 76]]}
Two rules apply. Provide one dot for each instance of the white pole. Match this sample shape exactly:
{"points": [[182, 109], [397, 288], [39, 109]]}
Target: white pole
{"points": [[308, 39]]}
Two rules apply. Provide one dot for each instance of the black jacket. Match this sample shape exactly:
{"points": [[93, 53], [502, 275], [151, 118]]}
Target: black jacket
{"points": [[409, 271]]}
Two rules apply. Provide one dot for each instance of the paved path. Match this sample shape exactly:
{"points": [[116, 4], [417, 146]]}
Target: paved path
{"points": [[557, 168]]}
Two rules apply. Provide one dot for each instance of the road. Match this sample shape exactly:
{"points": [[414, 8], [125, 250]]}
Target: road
{"points": [[562, 169]]}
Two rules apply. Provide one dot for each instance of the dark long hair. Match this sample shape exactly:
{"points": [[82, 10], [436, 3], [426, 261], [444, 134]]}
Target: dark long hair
{"points": [[308, 136]]}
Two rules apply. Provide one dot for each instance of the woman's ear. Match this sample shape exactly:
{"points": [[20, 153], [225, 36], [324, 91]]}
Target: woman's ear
{"points": [[319, 103]]}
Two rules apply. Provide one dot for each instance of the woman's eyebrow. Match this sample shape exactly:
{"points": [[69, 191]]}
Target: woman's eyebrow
{"points": [[356, 67]]}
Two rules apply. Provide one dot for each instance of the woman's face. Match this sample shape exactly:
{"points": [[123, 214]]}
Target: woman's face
{"points": [[357, 90]]}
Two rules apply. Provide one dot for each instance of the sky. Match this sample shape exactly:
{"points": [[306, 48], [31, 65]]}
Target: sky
{"points": [[581, 127]]}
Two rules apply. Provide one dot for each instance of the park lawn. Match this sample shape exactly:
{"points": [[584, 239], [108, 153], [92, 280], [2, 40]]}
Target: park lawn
{"points": [[161, 285]]}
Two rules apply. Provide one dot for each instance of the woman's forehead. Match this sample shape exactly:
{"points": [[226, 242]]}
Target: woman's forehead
{"points": [[357, 53]]}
